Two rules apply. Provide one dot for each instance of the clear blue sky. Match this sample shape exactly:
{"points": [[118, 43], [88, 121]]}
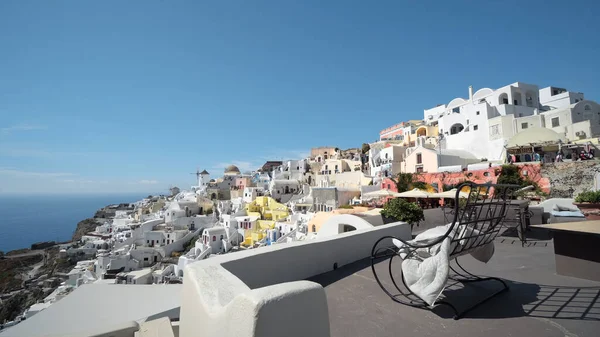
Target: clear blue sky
{"points": [[128, 96]]}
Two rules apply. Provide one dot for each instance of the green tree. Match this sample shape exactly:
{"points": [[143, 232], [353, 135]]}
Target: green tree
{"points": [[401, 210], [403, 181]]}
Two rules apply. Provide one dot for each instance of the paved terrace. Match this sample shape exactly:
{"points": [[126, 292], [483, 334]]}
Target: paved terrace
{"points": [[539, 302]]}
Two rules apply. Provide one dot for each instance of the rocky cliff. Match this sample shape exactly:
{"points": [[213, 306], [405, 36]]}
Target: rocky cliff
{"points": [[574, 177], [85, 226]]}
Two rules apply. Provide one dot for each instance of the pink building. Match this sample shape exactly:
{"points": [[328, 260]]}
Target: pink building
{"points": [[243, 182]]}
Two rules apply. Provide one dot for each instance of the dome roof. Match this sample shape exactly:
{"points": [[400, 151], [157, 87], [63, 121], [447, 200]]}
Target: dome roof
{"points": [[535, 136], [232, 169]]}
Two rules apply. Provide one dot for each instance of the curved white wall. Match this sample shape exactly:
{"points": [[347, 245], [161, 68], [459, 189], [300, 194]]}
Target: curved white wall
{"points": [[261, 292], [335, 224]]}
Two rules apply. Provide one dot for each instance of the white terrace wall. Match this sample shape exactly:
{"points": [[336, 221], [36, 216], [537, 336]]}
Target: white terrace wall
{"points": [[261, 292]]}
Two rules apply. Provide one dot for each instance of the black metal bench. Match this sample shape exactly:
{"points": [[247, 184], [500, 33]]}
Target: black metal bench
{"points": [[478, 220]]}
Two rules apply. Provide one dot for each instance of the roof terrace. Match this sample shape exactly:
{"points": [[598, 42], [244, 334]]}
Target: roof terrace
{"points": [[347, 301], [325, 287]]}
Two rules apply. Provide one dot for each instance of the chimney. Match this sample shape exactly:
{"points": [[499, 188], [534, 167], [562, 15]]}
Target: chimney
{"points": [[471, 93]]}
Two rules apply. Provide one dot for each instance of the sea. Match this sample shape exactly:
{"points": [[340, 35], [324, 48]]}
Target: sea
{"points": [[27, 219]]}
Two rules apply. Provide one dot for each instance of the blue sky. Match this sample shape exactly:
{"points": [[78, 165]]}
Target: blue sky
{"points": [[132, 96]]}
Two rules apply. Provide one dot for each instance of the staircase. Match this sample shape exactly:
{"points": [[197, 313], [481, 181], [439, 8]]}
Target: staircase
{"points": [[284, 238], [203, 255]]}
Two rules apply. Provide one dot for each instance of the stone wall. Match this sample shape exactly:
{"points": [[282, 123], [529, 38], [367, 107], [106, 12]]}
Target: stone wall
{"points": [[577, 176]]}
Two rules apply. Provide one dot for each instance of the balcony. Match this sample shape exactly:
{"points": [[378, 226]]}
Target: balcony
{"points": [[516, 110]]}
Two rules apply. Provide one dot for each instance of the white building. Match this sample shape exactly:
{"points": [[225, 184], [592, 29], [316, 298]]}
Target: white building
{"points": [[386, 162], [142, 276], [483, 123], [283, 190], [250, 193]]}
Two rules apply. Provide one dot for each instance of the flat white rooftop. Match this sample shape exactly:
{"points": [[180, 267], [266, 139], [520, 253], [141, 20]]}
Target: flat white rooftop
{"points": [[94, 307]]}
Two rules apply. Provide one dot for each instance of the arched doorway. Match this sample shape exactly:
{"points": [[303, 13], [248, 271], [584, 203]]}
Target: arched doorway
{"points": [[422, 132], [456, 128], [529, 95], [517, 98], [503, 98]]}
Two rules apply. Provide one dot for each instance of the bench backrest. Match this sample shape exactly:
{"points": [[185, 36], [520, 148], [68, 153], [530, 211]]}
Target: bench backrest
{"points": [[478, 218]]}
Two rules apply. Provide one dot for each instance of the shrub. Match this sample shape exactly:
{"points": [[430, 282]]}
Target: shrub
{"points": [[401, 210], [420, 185], [588, 196], [346, 207], [509, 174]]}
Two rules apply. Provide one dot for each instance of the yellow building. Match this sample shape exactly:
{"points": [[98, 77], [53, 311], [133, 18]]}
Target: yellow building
{"points": [[266, 211]]}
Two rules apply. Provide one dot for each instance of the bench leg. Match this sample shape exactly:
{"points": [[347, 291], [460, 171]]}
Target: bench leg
{"points": [[407, 297]]}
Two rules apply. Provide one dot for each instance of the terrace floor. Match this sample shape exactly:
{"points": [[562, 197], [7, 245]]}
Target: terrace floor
{"points": [[539, 302]]}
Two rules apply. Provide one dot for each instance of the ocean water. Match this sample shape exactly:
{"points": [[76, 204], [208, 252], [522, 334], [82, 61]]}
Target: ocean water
{"points": [[28, 219]]}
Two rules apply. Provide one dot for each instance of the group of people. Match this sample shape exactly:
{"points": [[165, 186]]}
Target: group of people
{"points": [[574, 156]]}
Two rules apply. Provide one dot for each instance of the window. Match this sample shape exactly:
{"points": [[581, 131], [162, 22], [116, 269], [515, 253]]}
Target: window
{"points": [[467, 122], [214, 238], [524, 125], [475, 127], [456, 110], [419, 158], [555, 122], [587, 108], [504, 100], [221, 237], [145, 259], [419, 169], [389, 186], [477, 113]]}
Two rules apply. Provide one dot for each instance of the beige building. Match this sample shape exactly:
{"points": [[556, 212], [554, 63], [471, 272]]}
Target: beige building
{"points": [[422, 159], [320, 154]]}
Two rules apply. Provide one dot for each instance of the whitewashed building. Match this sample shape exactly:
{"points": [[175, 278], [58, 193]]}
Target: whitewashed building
{"points": [[483, 123]]}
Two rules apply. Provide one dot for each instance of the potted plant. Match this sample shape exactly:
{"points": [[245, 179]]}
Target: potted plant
{"points": [[401, 210], [589, 203]]}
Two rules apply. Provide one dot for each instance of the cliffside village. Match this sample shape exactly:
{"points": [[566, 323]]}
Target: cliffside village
{"points": [[151, 241]]}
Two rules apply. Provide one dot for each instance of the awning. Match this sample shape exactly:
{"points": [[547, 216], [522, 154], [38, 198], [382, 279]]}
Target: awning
{"points": [[415, 193]]}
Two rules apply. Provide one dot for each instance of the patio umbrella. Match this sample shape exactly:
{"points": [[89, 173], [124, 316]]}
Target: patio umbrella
{"points": [[379, 194], [450, 194], [415, 193]]}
